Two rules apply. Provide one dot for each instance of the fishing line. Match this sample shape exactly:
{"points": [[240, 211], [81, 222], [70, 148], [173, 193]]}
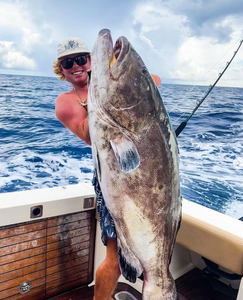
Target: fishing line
{"points": [[180, 128], [189, 92]]}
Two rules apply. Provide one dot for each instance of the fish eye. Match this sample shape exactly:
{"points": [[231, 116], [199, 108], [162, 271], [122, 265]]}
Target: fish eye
{"points": [[144, 71]]}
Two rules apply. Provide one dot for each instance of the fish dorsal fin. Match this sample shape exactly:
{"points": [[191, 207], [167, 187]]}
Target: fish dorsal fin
{"points": [[126, 153]]}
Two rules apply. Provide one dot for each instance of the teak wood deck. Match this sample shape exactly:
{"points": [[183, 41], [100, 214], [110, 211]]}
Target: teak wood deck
{"points": [[191, 286]]}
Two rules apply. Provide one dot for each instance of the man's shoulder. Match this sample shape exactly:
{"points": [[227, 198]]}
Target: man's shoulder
{"points": [[64, 96], [64, 101], [63, 105]]}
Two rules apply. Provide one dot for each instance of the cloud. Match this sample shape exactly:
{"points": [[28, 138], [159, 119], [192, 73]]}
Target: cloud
{"points": [[157, 32], [177, 39], [14, 34], [184, 40], [24, 39], [14, 59], [207, 18]]}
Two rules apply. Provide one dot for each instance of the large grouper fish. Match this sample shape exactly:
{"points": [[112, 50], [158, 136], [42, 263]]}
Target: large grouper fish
{"points": [[136, 159]]}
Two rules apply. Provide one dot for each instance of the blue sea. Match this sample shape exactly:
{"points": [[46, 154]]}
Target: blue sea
{"points": [[37, 151]]}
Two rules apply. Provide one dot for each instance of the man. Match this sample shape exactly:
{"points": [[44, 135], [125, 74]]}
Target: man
{"points": [[73, 64]]}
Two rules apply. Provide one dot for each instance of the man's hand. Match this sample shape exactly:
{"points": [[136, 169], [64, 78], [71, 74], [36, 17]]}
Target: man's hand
{"points": [[156, 79]]}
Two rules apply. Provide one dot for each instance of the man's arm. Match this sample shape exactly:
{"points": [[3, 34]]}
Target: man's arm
{"points": [[73, 116]]}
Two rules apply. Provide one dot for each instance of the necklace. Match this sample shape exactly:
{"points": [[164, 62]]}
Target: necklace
{"points": [[80, 101]]}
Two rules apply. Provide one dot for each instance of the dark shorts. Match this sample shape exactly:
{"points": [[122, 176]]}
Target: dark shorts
{"points": [[107, 225]]}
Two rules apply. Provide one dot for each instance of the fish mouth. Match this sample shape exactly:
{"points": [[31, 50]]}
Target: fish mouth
{"points": [[117, 50], [120, 49]]}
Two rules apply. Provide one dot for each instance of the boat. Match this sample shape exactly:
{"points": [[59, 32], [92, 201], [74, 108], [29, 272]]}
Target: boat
{"points": [[50, 248]]}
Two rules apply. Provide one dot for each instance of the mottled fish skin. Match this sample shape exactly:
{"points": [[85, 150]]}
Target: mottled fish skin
{"points": [[136, 156]]}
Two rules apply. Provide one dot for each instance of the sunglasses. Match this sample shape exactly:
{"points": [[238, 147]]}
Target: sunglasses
{"points": [[80, 60]]}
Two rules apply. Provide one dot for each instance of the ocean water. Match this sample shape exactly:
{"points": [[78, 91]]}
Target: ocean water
{"points": [[37, 151]]}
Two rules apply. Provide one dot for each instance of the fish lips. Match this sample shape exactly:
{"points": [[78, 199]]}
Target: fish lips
{"points": [[117, 53]]}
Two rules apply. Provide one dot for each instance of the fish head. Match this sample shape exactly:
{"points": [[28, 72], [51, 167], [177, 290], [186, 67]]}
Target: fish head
{"points": [[121, 86]]}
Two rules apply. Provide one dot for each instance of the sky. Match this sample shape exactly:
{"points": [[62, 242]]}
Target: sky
{"points": [[182, 41]]}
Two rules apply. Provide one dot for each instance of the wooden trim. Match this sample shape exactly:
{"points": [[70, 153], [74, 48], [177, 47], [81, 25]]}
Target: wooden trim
{"points": [[55, 254], [92, 247]]}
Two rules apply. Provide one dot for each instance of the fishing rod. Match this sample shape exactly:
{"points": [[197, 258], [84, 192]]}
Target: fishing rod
{"points": [[184, 123]]}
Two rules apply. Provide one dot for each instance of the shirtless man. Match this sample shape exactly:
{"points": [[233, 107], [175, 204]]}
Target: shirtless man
{"points": [[73, 64]]}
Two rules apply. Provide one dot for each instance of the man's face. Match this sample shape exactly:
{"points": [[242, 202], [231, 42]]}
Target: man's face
{"points": [[76, 73]]}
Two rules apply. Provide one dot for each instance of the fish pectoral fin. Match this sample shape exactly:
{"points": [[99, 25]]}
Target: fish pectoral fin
{"points": [[126, 153]]}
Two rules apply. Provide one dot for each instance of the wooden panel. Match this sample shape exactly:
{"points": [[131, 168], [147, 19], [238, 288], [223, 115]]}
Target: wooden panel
{"points": [[69, 261], [67, 258], [54, 254], [36, 293], [68, 287], [55, 267], [23, 263], [14, 230], [76, 232], [22, 258], [6, 276], [69, 242], [11, 287], [67, 219], [31, 237], [18, 256], [72, 281], [16, 247]]}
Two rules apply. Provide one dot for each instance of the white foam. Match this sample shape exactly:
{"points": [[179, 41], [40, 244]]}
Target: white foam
{"points": [[235, 209], [45, 170]]}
